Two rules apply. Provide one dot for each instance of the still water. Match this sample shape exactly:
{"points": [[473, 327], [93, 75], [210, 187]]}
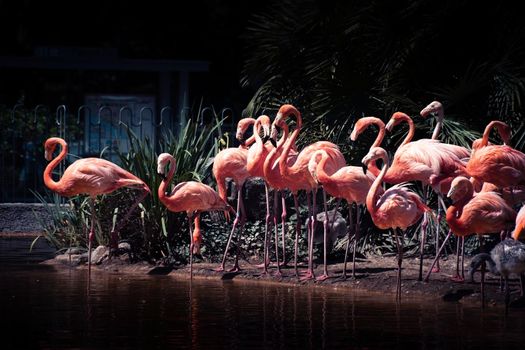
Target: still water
{"points": [[44, 308]]}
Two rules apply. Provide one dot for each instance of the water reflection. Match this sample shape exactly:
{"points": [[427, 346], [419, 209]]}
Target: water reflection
{"points": [[56, 311]]}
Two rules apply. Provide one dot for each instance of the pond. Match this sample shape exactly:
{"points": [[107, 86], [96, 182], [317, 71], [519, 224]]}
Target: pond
{"points": [[43, 307]]}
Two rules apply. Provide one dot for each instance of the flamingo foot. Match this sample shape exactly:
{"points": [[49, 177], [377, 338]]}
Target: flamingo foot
{"points": [[235, 269], [219, 269], [323, 277], [278, 274], [457, 279], [262, 265], [309, 275]]}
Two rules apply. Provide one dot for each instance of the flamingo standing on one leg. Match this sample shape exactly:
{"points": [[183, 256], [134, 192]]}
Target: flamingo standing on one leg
{"points": [[349, 183], [396, 208], [91, 176], [485, 212], [298, 177], [191, 197]]}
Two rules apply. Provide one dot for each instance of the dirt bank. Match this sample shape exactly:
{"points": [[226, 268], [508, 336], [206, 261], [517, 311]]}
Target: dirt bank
{"points": [[375, 275]]}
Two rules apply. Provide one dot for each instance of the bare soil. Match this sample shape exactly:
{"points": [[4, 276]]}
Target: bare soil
{"points": [[373, 275]]}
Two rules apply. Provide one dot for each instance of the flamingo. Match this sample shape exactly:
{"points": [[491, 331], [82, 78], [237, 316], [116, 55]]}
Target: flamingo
{"points": [[436, 109], [191, 196], [256, 156], [500, 165], [233, 163], [397, 208], [297, 176], [506, 258], [360, 126], [91, 176], [483, 213], [429, 161], [349, 183]]}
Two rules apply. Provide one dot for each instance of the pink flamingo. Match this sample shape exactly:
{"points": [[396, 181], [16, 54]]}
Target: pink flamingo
{"points": [[482, 213], [429, 161], [91, 176], [397, 208], [257, 154], [349, 183], [297, 176], [232, 163], [500, 165], [191, 197]]}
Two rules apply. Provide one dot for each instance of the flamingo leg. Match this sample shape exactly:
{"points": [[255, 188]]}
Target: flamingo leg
{"points": [[242, 221], [275, 204], [356, 238], [483, 267], [235, 223], [437, 255], [116, 230], [424, 224], [91, 236], [266, 259], [283, 228], [324, 276], [457, 277], [190, 219], [311, 227], [463, 257], [441, 207], [350, 221], [399, 244], [297, 231]]}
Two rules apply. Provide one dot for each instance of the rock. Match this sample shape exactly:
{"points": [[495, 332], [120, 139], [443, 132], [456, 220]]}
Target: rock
{"points": [[99, 254], [75, 250], [71, 259], [339, 228], [124, 246]]}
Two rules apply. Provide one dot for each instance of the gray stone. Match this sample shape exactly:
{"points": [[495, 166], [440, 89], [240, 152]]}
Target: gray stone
{"points": [[99, 254]]}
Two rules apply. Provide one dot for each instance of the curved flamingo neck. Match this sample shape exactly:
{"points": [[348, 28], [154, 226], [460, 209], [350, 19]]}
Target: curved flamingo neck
{"points": [[283, 166], [322, 176], [274, 153], [252, 138], [381, 133], [167, 180], [48, 178], [439, 125], [373, 193], [252, 161], [411, 128], [493, 124]]}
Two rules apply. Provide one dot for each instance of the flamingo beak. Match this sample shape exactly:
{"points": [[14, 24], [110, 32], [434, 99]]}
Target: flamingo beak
{"points": [[390, 125], [354, 134], [47, 155], [365, 168], [162, 176]]}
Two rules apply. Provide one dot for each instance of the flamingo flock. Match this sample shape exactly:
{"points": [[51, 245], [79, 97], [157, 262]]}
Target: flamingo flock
{"points": [[485, 184]]}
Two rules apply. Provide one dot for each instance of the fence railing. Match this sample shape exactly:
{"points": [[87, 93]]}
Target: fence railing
{"points": [[88, 130]]}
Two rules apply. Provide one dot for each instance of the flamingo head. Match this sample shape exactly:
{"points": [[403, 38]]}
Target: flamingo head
{"points": [[435, 108], [242, 127], [505, 132], [363, 123], [459, 188], [314, 161], [163, 160], [265, 122], [396, 118], [49, 147], [374, 154]]}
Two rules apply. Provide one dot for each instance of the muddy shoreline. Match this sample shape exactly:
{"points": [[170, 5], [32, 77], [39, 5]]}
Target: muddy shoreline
{"points": [[373, 275]]}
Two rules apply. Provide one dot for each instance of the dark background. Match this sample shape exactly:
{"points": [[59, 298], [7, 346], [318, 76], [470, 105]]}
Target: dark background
{"points": [[191, 30]]}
